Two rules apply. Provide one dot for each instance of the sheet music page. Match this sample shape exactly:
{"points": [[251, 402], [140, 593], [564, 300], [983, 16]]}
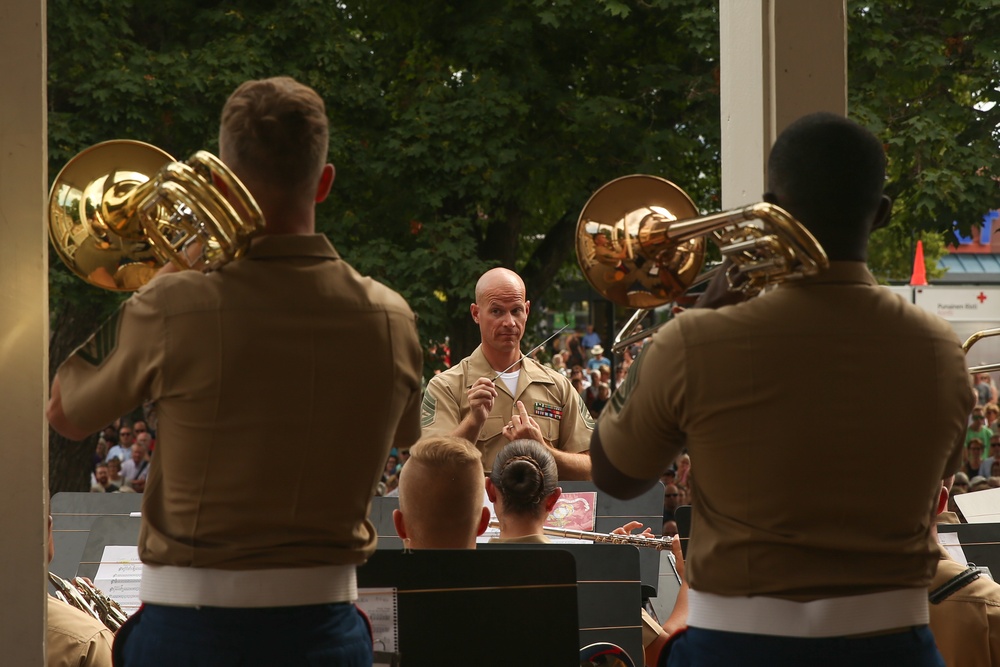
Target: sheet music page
{"points": [[118, 576], [953, 546], [573, 511], [380, 606], [980, 506]]}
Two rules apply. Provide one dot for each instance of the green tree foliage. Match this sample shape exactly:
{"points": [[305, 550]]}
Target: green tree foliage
{"points": [[497, 121], [465, 135], [925, 77]]}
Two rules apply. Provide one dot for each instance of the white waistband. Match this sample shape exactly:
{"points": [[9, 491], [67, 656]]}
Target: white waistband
{"points": [[205, 587], [832, 617]]}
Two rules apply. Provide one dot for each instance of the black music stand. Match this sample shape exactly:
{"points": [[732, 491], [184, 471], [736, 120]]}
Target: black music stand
{"points": [[613, 513], [479, 607], [107, 531], [609, 592], [73, 514], [980, 543], [381, 517]]}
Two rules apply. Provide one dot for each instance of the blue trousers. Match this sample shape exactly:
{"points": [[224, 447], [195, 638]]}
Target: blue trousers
{"points": [[697, 647], [313, 635]]}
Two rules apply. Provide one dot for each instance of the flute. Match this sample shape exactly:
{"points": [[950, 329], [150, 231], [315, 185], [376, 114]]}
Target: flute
{"points": [[658, 543]]}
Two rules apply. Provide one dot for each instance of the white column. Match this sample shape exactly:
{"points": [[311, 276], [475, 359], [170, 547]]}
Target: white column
{"points": [[24, 332], [780, 59]]}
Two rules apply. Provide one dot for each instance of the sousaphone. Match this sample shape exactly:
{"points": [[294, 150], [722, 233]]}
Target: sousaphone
{"points": [[120, 210]]}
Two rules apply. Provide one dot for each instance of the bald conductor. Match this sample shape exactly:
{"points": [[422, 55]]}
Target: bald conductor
{"points": [[497, 395]]}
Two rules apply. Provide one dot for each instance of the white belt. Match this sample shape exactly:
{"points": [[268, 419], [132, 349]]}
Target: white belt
{"points": [[289, 587], [832, 617]]}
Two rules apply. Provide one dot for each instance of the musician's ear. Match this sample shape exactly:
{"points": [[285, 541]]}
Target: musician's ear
{"points": [[484, 522], [491, 491], [550, 501], [325, 182], [942, 504], [397, 521]]}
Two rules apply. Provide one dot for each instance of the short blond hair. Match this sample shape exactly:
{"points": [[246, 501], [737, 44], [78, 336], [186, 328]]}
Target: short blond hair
{"points": [[441, 490], [275, 132]]}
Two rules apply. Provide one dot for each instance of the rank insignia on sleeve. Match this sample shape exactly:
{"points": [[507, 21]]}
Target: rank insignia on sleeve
{"points": [[104, 341], [617, 401], [427, 409], [588, 418], [550, 411]]}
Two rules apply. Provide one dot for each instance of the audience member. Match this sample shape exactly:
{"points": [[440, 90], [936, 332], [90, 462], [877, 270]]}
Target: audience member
{"points": [[978, 483], [598, 359], [974, 457], [985, 391], [122, 449], [986, 468], [590, 339], [992, 412], [683, 469], [136, 469], [103, 483], [603, 396], [115, 471], [977, 427], [576, 356], [671, 501]]}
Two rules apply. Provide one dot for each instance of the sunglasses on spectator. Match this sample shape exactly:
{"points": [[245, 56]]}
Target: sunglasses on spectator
{"points": [[671, 495]]}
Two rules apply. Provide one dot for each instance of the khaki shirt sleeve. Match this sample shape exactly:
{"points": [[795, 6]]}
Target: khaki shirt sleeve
{"points": [[577, 425], [118, 367], [641, 426], [441, 408]]}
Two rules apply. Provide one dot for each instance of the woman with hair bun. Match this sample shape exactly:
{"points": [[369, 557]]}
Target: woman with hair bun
{"points": [[522, 488]]}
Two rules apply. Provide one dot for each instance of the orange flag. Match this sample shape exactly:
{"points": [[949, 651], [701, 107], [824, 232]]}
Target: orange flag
{"points": [[919, 276]]}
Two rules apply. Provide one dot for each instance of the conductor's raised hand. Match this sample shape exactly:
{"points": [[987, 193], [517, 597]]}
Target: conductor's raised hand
{"points": [[522, 426], [481, 396]]}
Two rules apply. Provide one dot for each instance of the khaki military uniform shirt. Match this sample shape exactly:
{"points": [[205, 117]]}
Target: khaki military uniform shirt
{"points": [[966, 625], [75, 639], [281, 382], [789, 406], [548, 396]]}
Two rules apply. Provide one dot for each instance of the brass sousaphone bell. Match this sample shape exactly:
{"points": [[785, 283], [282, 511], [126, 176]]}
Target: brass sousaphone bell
{"points": [[641, 244], [122, 209]]}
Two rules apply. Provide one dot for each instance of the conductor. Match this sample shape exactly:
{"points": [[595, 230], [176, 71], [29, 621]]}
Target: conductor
{"points": [[245, 561], [820, 573]]}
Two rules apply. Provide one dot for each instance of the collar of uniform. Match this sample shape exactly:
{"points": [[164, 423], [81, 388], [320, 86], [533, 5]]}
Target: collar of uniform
{"points": [[292, 245], [839, 273], [479, 367]]}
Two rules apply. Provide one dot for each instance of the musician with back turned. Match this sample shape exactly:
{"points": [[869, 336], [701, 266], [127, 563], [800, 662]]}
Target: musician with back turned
{"points": [[246, 562], [497, 394], [824, 573]]}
